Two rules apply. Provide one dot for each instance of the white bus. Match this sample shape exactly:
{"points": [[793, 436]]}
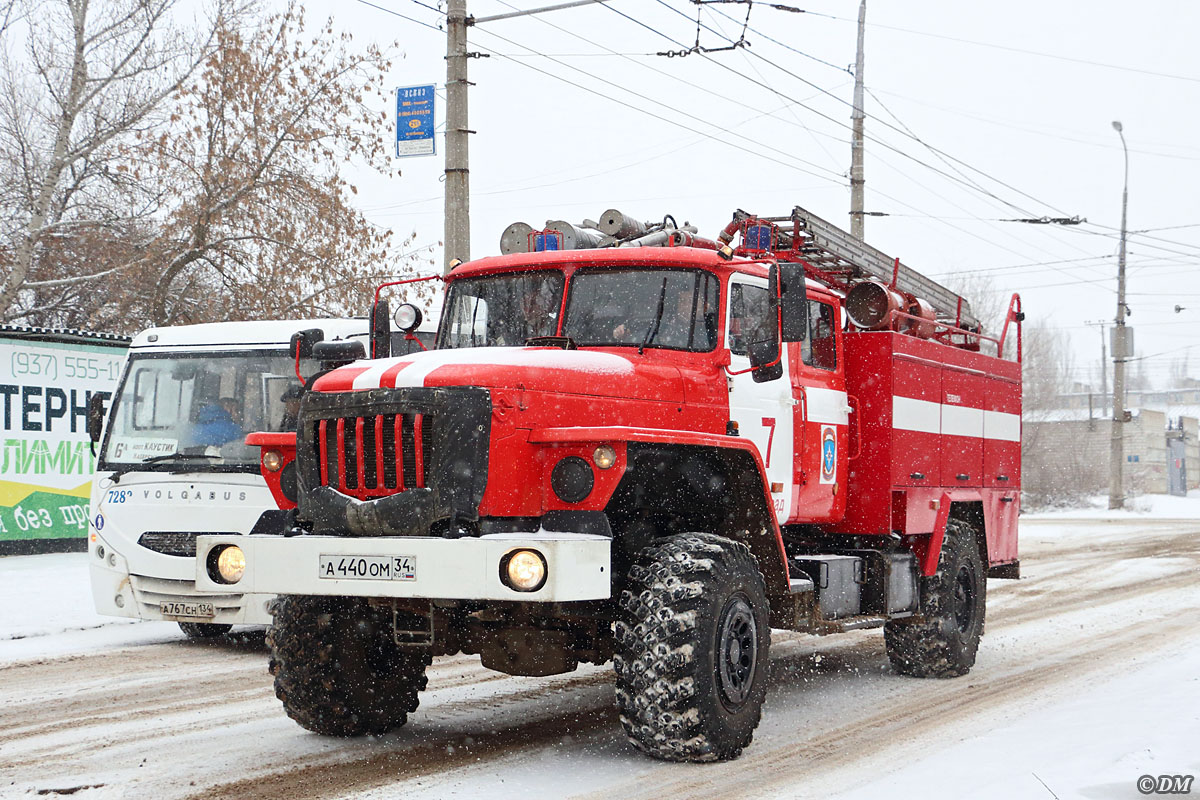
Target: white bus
{"points": [[172, 463]]}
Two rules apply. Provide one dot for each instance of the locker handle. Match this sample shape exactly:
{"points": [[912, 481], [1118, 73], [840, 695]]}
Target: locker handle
{"points": [[962, 476], [917, 476], [852, 409], [1006, 499], [1001, 477]]}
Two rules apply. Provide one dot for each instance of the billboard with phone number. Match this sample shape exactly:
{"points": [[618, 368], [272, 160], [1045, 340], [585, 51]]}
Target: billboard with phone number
{"points": [[46, 464]]}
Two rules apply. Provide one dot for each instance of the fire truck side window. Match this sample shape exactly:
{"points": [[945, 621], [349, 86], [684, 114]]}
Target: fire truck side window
{"points": [[820, 348], [747, 310]]}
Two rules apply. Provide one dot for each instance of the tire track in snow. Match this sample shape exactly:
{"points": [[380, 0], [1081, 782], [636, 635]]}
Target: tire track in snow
{"points": [[927, 707], [78, 714]]}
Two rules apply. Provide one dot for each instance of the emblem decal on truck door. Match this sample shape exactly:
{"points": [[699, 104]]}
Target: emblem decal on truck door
{"points": [[828, 453]]}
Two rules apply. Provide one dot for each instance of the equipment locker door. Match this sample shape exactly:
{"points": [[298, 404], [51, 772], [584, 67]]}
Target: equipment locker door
{"points": [[763, 411]]}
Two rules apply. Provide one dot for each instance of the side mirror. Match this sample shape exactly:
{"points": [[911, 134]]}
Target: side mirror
{"points": [[335, 354], [381, 330], [765, 363], [765, 350], [793, 302], [95, 416], [302, 342]]}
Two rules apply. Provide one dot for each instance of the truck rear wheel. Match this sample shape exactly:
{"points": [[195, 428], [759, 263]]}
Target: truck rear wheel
{"points": [[941, 641], [692, 649], [337, 669]]}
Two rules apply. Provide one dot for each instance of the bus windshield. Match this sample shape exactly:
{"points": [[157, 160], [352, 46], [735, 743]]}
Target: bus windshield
{"points": [[196, 409]]}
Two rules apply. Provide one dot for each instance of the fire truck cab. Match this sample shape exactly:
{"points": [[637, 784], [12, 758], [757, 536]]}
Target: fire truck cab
{"points": [[649, 454]]}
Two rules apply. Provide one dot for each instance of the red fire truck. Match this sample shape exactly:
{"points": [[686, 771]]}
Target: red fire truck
{"points": [[651, 449]]}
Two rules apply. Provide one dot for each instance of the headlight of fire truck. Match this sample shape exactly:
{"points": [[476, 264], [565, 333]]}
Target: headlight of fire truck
{"points": [[226, 564], [523, 570]]}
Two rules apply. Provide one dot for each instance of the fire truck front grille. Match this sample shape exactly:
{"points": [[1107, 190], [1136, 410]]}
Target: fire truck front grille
{"points": [[372, 456]]}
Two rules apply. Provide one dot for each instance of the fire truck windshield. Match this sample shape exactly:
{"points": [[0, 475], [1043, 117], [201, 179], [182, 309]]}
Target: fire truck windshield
{"points": [[501, 310], [665, 308], [669, 308]]}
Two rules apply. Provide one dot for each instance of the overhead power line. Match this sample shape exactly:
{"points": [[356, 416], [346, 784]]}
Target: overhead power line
{"points": [[1022, 50], [838, 177], [395, 13]]}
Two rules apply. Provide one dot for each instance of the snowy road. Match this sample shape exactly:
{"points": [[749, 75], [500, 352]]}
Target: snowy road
{"points": [[1087, 678]]}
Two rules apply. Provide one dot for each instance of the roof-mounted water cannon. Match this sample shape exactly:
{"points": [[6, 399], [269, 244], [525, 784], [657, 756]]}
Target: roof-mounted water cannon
{"points": [[613, 230], [520, 237], [621, 226], [874, 306]]}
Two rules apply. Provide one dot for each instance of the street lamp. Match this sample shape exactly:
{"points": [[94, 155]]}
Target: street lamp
{"points": [[1116, 486]]}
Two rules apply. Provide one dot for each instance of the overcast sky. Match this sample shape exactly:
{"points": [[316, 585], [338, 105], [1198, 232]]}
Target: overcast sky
{"points": [[976, 113]]}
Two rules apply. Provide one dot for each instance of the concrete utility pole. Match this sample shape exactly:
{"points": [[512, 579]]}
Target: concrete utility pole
{"points": [[458, 177], [857, 181], [1116, 482], [1103, 326], [458, 172]]}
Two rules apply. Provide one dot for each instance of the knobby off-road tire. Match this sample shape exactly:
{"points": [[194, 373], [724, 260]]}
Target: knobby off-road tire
{"points": [[942, 639], [204, 630], [337, 669], [692, 649]]}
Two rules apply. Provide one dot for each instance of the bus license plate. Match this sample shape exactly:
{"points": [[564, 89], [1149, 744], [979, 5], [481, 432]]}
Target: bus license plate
{"points": [[196, 610], [371, 568]]}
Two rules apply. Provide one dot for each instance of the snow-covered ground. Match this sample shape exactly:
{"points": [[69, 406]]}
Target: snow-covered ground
{"points": [[1146, 506], [1087, 679]]}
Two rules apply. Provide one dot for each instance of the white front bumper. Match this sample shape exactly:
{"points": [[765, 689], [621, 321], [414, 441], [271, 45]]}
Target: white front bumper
{"points": [[140, 597], [578, 566]]}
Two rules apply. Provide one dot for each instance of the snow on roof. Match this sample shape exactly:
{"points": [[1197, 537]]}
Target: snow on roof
{"points": [[1173, 413], [68, 335], [235, 335]]}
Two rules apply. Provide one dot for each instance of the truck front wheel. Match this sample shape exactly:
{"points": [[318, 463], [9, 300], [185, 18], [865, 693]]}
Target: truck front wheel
{"points": [[942, 639], [338, 670], [692, 649], [204, 630]]}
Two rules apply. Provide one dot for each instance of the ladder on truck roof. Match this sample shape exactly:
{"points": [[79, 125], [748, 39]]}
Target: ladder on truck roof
{"points": [[837, 253]]}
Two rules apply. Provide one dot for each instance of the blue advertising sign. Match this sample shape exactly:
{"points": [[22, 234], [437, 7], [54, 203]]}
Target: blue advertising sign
{"points": [[414, 121]]}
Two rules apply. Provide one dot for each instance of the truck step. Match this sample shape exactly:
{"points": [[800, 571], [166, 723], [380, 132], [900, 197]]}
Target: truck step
{"points": [[412, 630]]}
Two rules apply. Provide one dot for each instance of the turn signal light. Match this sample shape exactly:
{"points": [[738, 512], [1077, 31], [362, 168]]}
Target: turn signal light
{"points": [[272, 461], [604, 456]]}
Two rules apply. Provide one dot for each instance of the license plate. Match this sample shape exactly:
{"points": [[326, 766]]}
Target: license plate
{"points": [[371, 568], [198, 610]]}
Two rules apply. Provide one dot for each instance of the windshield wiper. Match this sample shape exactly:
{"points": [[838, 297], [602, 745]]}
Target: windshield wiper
{"points": [[127, 468], [650, 334], [169, 456]]}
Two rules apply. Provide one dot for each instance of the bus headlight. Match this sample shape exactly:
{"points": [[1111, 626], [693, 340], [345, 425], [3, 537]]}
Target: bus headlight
{"points": [[226, 564], [523, 570], [272, 460]]}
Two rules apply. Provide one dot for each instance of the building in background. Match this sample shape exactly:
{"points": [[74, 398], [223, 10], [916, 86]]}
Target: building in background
{"points": [[47, 378], [1065, 451]]}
